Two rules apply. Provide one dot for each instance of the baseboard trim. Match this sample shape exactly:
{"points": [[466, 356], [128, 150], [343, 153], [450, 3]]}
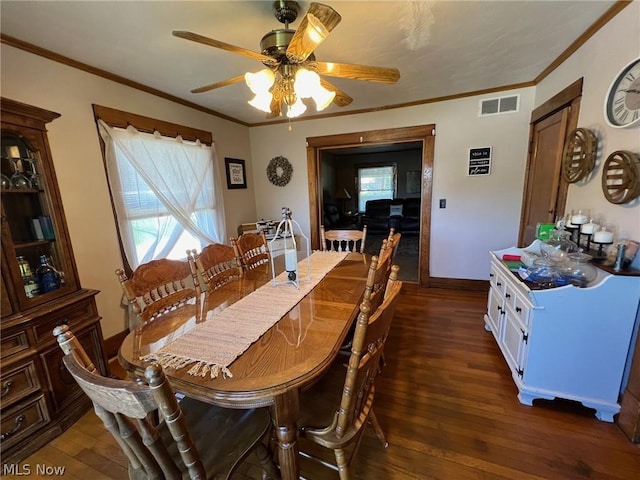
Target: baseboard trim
{"points": [[459, 284], [112, 344]]}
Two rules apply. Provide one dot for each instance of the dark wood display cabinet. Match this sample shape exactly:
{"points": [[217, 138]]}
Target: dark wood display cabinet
{"points": [[39, 399]]}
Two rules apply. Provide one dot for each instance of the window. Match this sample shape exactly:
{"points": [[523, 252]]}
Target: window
{"points": [[375, 183], [165, 192]]}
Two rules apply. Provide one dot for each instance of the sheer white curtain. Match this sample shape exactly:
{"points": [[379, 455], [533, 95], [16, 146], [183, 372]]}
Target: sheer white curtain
{"points": [[166, 192]]}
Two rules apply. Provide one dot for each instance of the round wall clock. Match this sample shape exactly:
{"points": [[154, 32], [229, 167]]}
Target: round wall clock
{"points": [[621, 177], [279, 171], [622, 103]]}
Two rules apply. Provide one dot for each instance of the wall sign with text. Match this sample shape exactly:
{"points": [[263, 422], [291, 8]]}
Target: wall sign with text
{"points": [[236, 175], [479, 161]]}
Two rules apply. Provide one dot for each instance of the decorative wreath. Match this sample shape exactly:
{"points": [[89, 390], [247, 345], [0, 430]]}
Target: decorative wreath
{"points": [[279, 171]]}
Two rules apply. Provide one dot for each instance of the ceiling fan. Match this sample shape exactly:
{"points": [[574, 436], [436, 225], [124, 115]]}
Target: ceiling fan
{"points": [[293, 74]]}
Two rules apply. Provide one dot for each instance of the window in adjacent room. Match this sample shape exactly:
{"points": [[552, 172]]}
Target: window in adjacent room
{"points": [[165, 190], [375, 183]]}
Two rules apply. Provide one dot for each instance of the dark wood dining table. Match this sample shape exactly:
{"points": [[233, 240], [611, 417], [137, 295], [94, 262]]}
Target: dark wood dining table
{"points": [[291, 355]]}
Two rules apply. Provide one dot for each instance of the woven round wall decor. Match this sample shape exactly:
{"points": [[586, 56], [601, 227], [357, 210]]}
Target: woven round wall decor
{"points": [[279, 171], [579, 155], [621, 177]]}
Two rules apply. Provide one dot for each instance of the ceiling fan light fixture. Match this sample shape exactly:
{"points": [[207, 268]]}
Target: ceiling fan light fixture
{"points": [[262, 101], [323, 98], [293, 74], [316, 31], [261, 81], [306, 84], [297, 109]]}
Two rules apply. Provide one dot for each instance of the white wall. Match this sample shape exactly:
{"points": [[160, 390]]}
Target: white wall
{"points": [[79, 167], [483, 212], [599, 61]]}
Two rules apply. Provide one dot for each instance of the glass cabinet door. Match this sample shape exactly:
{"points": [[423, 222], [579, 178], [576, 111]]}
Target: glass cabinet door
{"points": [[38, 258]]}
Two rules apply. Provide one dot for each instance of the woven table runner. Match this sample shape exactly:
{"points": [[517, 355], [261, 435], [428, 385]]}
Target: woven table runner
{"points": [[210, 347]]}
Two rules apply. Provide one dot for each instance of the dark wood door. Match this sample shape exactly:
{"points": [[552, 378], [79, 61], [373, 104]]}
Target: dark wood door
{"points": [[543, 181], [545, 191]]}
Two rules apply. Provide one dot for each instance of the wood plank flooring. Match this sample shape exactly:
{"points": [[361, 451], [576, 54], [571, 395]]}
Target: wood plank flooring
{"points": [[447, 404]]}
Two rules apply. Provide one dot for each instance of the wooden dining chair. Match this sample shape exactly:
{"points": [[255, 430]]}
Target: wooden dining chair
{"points": [[378, 275], [159, 286], [217, 264], [380, 280], [343, 240], [192, 440], [392, 241], [336, 410], [252, 249]]}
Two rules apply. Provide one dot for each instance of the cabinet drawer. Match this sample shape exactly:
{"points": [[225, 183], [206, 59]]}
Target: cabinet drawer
{"points": [[23, 420], [522, 310], [12, 344], [497, 278], [76, 316], [518, 302], [18, 383]]}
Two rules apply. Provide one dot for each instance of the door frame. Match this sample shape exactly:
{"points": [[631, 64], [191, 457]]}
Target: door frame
{"points": [[568, 98], [421, 133]]}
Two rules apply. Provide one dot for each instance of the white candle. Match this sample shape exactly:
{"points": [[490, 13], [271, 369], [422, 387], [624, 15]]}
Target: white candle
{"points": [[579, 218], [589, 228], [603, 236], [14, 152], [291, 261]]}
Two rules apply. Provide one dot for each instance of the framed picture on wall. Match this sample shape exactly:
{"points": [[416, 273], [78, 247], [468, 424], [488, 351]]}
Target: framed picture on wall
{"points": [[413, 181], [236, 174]]}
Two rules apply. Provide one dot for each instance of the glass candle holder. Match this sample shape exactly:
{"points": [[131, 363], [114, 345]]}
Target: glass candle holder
{"points": [[580, 216]]}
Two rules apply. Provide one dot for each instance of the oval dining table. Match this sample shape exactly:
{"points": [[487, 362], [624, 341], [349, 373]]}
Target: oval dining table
{"points": [[290, 356]]}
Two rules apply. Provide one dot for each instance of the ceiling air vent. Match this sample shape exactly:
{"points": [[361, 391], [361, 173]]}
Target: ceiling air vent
{"points": [[495, 106]]}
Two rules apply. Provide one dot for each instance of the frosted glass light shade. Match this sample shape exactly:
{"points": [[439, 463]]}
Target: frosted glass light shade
{"points": [[261, 81], [323, 97], [262, 101], [296, 109], [307, 83]]}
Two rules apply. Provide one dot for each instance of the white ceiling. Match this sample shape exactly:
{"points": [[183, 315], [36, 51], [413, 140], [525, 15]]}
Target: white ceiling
{"points": [[440, 47]]}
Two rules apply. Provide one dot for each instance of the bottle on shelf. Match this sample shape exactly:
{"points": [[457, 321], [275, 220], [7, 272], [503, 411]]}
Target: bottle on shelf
{"points": [[31, 287], [48, 277]]}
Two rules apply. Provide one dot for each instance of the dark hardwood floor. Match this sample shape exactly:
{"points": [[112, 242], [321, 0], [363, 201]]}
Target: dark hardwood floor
{"points": [[447, 404]]}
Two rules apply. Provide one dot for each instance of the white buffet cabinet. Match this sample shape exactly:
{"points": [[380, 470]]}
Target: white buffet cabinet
{"points": [[564, 342]]}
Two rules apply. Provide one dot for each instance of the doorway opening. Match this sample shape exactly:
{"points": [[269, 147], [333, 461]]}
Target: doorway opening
{"points": [[321, 151]]}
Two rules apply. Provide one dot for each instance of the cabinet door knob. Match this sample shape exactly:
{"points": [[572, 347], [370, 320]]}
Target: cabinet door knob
{"points": [[499, 284], [15, 429], [518, 309], [6, 386], [507, 295]]}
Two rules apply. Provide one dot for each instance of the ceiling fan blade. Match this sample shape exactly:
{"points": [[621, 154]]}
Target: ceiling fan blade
{"points": [[341, 99], [314, 28], [194, 37], [359, 72], [224, 83]]}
